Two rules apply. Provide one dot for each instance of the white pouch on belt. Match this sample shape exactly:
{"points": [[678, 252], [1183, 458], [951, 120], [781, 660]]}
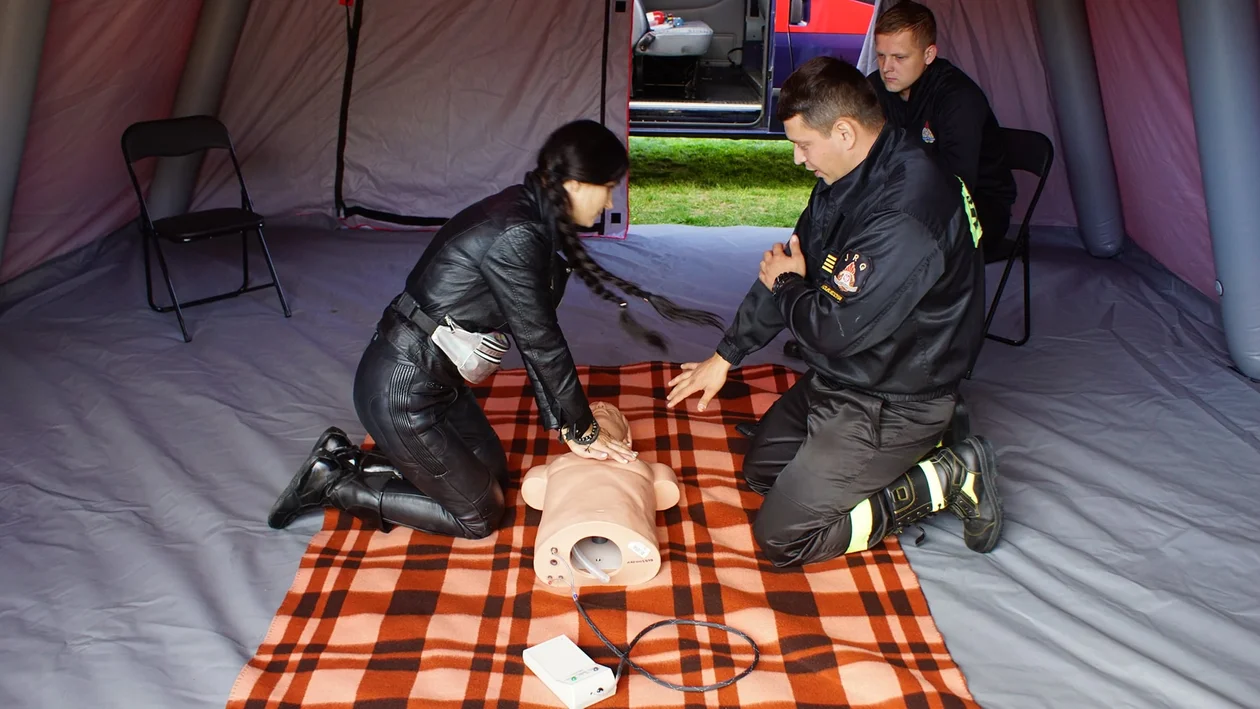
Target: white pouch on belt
{"points": [[475, 355]]}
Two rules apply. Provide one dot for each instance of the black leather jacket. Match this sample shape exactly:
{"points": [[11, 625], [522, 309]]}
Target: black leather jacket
{"points": [[893, 300], [496, 267]]}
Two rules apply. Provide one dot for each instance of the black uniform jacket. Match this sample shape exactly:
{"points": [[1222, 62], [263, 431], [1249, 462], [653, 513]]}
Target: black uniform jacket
{"points": [[893, 300], [495, 267], [950, 114]]}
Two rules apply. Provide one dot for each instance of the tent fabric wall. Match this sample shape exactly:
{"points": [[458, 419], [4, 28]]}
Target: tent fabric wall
{"points": [[1146, 95], [447, 106], [105, 65], [282, 105], [121, 62], [996, 43], [451, 105]]}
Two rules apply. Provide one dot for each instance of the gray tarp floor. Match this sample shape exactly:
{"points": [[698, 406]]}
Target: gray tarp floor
{"points": [[136, 569]]}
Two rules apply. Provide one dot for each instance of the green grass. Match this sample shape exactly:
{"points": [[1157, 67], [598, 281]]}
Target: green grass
{"points": [[716, 182]]}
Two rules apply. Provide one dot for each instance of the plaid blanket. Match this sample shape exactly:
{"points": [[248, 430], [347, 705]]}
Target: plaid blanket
{"points": [[406, 619]]}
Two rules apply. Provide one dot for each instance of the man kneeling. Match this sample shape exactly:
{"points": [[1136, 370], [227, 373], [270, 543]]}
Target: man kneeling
{"points": [[882, 287]]}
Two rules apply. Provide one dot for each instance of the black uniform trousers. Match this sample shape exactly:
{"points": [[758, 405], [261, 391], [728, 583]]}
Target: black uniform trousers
{"points": [[820, 451], [424, 418]]}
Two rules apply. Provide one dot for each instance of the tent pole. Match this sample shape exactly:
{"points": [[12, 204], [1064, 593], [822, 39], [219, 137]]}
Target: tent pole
{"points": [[1077, 98], [1222, 47], [200, 92], [22, 29]]}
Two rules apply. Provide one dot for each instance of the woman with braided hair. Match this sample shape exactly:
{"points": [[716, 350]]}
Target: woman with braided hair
{"points": [[496, 269]]}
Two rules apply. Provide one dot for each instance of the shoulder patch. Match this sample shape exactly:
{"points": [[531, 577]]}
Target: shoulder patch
{"points": [[857, 270]]}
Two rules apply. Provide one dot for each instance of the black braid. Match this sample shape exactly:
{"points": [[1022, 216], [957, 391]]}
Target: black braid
{"points": [[594, 275], [556, 214]]}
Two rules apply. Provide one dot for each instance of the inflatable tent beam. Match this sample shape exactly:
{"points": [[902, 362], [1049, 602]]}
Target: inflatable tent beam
{"points": [[200, 92], [22, 29], [1077, 98], [1222, 47]]}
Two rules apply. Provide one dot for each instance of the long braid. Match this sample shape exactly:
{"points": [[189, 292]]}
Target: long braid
{"points": [[556, 213], [589, 153]]}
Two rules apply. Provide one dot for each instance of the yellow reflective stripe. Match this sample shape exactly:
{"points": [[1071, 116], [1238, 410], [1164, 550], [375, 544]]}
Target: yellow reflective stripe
{"points": [[972, 215], [861, 520], [934, 485]]}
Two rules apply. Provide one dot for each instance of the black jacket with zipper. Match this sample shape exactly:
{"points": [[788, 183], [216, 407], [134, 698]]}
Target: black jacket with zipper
{"points": [[892, 303], [950, 115], [495, 266]]}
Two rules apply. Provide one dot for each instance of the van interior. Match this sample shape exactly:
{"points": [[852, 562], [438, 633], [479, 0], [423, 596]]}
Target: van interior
{"points": [[710, 70]]}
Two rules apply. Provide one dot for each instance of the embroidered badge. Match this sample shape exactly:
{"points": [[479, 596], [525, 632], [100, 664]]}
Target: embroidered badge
{"points": [[927, 133], [855, 272]]}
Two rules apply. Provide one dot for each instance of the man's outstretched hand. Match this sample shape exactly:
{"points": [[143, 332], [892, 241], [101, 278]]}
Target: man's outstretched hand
{"points": [[707, 377]]}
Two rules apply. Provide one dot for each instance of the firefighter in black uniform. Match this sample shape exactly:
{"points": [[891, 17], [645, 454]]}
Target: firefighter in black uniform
{"points": [[939, 105], [882, 287]]}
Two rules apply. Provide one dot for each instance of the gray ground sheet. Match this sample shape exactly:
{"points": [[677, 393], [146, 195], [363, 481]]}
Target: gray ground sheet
{"points": [[136, 569]]}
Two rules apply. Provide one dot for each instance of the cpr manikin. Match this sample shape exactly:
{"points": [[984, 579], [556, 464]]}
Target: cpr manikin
{"points": [[599, 516]]}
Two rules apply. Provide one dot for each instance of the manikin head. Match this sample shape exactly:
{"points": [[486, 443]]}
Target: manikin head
{"points": [[831, 115], [905, 44]]}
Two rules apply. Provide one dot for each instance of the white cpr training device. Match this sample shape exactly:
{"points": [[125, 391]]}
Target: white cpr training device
{"points": [[570, 673]]}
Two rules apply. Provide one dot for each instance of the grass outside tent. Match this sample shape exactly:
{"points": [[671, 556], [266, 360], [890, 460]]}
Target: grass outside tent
{"points": [[716, 182]]}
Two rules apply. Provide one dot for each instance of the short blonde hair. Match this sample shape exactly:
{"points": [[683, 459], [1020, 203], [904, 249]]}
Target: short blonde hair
{"points": [[909, 15]]}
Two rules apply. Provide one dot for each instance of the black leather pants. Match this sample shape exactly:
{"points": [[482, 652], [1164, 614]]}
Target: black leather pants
{"points": [[424, 418]]}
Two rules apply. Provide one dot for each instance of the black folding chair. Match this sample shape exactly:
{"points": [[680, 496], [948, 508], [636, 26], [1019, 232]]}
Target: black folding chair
{"points": [[174, 137], [1031, 152]]}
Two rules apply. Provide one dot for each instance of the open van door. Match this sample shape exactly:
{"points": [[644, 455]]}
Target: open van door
{"points": [[713, 67]]}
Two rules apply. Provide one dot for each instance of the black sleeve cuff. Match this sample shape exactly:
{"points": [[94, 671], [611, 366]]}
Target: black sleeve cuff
{"points": [[728, 351]]}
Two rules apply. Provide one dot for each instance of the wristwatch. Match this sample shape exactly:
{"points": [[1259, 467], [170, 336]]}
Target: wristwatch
{"points": [[782, 280]]}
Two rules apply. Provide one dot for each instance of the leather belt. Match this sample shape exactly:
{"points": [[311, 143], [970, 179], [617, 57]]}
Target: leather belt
{"points": [[410, 309]]}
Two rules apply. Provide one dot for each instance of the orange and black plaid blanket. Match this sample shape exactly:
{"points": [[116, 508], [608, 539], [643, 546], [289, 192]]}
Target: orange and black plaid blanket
{"points": [[407, 620]]}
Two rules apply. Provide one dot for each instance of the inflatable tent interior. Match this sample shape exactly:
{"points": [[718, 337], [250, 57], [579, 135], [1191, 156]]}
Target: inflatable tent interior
{"points": [[138, 468]]}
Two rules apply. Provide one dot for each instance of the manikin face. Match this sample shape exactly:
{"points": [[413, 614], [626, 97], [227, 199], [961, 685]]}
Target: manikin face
{"points": [[587, 202], [829, 157], [901, 60]]}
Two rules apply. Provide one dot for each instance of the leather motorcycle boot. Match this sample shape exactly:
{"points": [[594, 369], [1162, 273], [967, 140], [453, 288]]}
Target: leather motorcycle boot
{"points": [[332, 440], [961, 478], [350, 480], [308, 490], [360, 496]]}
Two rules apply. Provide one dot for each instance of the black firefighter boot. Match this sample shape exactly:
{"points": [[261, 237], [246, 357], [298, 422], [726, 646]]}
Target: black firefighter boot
{"points": [[335, 474], [962, 478]]}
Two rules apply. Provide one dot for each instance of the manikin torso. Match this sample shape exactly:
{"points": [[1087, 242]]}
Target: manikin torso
{"points": [[606, 509]]}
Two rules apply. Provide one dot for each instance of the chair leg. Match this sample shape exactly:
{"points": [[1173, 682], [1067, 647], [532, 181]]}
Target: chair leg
{"points": [[1022, 249], [244, 261], [1027, 294], [170, 288], [148, 273], [275, 279]]}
